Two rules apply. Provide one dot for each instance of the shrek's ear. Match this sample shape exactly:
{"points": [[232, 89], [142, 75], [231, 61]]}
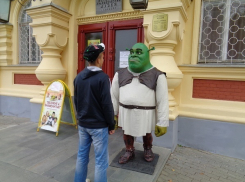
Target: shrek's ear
{"points": [[153, 48]]}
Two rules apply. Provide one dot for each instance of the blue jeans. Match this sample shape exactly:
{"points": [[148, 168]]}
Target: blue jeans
{"points": [[99, 137]]}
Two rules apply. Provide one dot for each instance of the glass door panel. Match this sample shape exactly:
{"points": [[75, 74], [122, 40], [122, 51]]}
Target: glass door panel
{"points": [[125, 39], [92, 38]]}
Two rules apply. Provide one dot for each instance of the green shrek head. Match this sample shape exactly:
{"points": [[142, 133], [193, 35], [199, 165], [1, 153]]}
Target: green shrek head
{"points": [[139, 59]]}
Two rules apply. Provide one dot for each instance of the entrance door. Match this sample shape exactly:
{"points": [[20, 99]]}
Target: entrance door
{"points": [[116, 35], [90, 34]]}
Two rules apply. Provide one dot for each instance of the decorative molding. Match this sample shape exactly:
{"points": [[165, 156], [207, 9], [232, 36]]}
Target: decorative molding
{"points": [[6, 27], [48, 5], [51, 72], [227, 72], [109, 17], [47, 24], [49, 11], [173, 24], [82, 6], [179, 32], [213, 113], [170, 8], [186, 3], [6, 44], [196, 32], [29, 92], [54, 18], [19, 68], [51, 37]]}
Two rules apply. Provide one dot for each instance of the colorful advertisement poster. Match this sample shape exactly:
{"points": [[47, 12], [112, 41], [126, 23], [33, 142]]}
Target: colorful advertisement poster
{"points": [[93, 42], [52, 109]]}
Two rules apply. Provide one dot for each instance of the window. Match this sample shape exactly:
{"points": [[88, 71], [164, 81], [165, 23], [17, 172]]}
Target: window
{"points": [[29, 52], [222, 38]]}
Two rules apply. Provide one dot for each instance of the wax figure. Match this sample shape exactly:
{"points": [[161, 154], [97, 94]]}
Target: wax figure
{"points": [[95, 114], [140, 99]]}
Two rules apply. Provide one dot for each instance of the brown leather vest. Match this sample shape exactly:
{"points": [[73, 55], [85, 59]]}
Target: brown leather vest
{"points": [[148, 78]]}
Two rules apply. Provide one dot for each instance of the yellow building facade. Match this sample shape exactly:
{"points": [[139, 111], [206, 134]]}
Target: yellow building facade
{"points": [[202, 112]]}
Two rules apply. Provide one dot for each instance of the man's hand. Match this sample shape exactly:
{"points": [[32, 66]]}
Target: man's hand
{"points": [[111, 132], [116, 120], [159, 131]]}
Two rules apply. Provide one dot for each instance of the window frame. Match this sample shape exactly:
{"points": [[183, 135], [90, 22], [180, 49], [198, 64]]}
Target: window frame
{"points": [[224, 58], [31, 40]]}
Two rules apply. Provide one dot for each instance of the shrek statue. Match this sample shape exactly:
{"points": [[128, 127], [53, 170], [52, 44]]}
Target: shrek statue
{"points": [[140, 100]]}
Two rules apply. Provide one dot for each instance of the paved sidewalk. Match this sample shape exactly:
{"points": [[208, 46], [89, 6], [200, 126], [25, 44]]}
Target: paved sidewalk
{"points": [[190, 165], [30, 156]]}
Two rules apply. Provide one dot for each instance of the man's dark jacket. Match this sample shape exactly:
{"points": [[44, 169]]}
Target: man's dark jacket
{"points": [[93, 100]]}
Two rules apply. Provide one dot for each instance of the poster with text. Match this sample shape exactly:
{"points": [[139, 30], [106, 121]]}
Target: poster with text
{"points": [[52, 107], [123, 59]]}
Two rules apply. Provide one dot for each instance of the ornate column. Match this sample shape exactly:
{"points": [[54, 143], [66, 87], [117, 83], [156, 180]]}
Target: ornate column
{"points": [[50, 28], [5, 44], [164, 42]]}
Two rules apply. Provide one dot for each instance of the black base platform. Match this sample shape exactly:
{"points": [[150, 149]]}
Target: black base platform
{"points": [[137, 164]]}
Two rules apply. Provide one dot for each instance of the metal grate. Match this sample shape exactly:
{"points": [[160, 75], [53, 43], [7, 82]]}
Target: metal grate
{"points": [[29, 51], [222, 37]]}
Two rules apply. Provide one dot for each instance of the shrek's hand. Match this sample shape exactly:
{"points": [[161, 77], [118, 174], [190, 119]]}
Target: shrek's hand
{"points": [[116, 122], [159, 131]]}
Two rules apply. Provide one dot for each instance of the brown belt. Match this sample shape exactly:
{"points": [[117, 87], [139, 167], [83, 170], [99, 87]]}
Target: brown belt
{"points": [[137, 107]]}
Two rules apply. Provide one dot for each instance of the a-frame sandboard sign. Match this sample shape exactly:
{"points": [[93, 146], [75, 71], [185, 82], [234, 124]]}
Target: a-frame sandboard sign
{"points": [[57, 107]]}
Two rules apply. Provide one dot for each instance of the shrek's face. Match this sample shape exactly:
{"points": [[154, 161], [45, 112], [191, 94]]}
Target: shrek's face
{"points": [[138, 59]]}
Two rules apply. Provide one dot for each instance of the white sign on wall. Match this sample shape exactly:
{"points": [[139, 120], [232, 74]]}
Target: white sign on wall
{"points": [[123, 59]]}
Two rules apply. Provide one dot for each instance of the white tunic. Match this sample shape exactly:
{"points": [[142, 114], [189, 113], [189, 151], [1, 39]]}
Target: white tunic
{"points": [[138, 122]]}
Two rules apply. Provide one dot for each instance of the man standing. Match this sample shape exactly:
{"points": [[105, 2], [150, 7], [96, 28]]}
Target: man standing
{"points": [[95, 114]]}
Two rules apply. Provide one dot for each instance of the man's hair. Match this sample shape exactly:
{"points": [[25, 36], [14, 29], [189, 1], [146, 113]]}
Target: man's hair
{"points": [[92, 52], [100, 55], [94, 62]]}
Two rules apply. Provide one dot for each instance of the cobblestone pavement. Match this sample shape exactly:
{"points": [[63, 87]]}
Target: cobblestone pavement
{"points": [[190, 165]]}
